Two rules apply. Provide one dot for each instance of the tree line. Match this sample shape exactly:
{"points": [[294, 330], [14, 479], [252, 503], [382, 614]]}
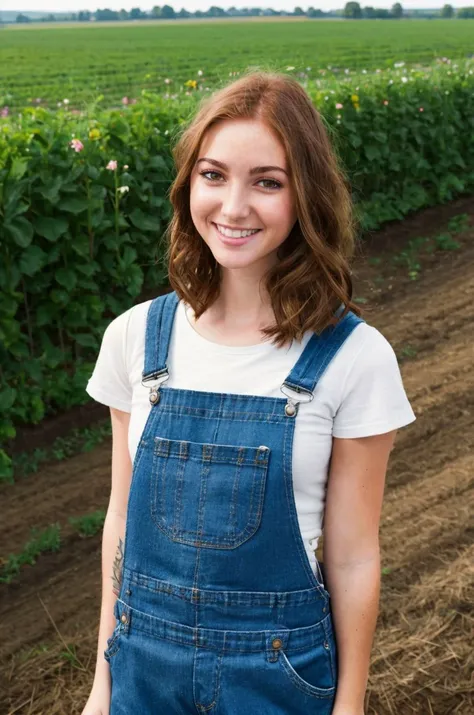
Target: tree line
{"points": [[351, 11]]}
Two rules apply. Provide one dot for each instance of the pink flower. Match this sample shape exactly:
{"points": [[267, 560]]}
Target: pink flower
{"points": [[77, 145], [421, 109], [112, 165], [385, 101], [125, 100], [339, 106], [4, 112]]}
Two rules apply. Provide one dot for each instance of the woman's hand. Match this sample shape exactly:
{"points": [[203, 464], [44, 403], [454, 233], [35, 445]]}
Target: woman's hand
{"points": [[99, 700]]}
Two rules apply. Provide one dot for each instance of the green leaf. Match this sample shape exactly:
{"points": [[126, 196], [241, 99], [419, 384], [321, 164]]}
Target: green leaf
{"points": [[355, 141], [7, 398], [50, 191], [73, 205], [18, 169], [157, 162], [44, 315], [86, 340], [144, 222], [129, 256], [50, 228], [66, 277], [135, 280], [20, 230], [17, 210], [61, 297], [32, 260], [93, 172], [372, 152]]}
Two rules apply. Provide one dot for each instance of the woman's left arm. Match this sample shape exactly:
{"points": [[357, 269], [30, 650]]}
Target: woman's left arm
{"points": [[352, 557]]}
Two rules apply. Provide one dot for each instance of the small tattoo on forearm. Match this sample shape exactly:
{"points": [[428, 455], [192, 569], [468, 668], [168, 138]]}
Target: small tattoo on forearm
{"points": [[117, 575]]}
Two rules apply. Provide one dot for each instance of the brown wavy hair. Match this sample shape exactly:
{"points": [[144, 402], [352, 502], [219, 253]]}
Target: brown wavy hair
{"points": [[312, 277]]}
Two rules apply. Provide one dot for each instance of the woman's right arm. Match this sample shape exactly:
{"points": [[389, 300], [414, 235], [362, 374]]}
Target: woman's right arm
{"points": [[113, 538]]}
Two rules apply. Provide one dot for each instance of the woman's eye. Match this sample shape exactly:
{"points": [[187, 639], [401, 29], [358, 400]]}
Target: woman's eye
{"points": [[275, 184]]}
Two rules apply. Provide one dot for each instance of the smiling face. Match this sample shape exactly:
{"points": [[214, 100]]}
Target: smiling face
{"points": [[230, 188]]}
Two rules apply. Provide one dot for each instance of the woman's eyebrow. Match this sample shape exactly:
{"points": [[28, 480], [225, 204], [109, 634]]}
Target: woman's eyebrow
{"points": [[255, 170]]}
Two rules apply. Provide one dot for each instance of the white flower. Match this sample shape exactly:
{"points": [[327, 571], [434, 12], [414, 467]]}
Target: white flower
{"points": [[66, 101], [404, 79], [288, 69], [123, 189], [200, 73], [125, 166]]}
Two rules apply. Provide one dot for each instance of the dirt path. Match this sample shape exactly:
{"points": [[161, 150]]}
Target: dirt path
{"points": [[421, 659]]}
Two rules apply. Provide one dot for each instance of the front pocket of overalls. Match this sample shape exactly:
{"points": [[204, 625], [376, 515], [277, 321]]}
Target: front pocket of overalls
{"points": [[310, 670], [208, 495], [113, 643]]}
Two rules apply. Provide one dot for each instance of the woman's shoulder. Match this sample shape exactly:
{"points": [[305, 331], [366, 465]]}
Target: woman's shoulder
{"points": [[364, 352]]}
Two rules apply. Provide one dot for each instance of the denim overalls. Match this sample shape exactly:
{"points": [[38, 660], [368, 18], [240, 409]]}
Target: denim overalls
{"points": [[219, 609]]}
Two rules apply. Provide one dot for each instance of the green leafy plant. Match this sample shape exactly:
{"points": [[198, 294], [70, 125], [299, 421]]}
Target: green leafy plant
{"points": [[46, 540]]}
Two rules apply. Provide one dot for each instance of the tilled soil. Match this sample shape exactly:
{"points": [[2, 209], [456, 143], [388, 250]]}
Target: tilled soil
{"points": [[422, 657]]}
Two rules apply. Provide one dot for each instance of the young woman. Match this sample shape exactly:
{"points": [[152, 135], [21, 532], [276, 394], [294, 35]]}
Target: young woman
{"points": [[246, 405]]}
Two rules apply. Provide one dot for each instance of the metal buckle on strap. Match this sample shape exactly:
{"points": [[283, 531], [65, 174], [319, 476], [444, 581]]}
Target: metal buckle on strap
{"points": [[291, 407], [154, 394]]}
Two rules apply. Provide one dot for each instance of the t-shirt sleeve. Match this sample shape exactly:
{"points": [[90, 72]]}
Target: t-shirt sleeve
{"points": [[373, 396], [109, 382]]}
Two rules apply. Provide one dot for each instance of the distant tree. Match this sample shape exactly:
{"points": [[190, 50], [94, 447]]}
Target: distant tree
{"points": [[167, 12], [215, 11], [106, 15], [136, 14], [352, 11], [369, 12], [22, 18], [183, 13], [84, 16], [123, 15], [298, 11], [155, 12], [465, 13], [447, 11], [313, 12], [397, 10]]}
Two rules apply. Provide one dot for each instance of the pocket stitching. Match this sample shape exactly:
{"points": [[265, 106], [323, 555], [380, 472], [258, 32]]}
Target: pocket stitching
{"points": [[113, 643], [312, 690], [218, 542]]}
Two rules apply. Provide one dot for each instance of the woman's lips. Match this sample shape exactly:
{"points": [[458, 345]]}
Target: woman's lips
{"points": [[229, 241]]}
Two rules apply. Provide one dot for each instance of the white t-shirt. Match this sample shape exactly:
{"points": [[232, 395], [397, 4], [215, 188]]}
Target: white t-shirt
{"points": [[360, 394]]}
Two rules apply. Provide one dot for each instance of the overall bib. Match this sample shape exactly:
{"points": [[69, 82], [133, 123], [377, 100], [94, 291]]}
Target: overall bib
{"points": [[219, 609]]}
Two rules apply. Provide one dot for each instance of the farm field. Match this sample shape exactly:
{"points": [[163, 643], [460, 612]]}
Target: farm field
{"points": [[81, 62], [422, 659]]}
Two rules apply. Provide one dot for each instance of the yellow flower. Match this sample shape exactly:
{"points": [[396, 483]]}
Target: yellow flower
{"points": [[94, 134], [191, 83], [355, 97], [356, 106]]}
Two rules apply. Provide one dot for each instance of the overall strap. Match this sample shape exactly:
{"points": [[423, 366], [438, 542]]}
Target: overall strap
{"points": [[159, 324], [318, 353]]}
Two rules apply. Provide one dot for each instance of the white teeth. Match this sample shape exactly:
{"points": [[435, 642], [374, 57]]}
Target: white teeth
{"points": [[235, 234]]}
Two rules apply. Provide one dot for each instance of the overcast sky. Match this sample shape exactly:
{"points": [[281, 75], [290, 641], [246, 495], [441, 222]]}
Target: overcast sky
{"points": [[192, 5]]}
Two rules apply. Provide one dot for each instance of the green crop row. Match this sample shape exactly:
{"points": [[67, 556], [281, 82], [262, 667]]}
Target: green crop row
{"points": [[83, 206], [48, 65]]}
